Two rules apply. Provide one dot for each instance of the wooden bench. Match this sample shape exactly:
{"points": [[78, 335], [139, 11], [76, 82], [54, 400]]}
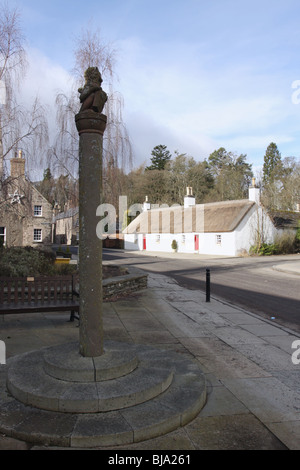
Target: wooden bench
{"points": [[39, 294]]}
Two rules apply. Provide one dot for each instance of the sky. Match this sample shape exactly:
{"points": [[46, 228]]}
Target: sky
{"points": [[195, 75]]}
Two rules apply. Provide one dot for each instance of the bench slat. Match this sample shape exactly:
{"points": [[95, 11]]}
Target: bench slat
{"points": [[21, 295]]}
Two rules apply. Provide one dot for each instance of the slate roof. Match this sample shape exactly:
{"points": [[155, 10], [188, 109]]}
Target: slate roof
{"points": [[285, 219], [65, 215]]}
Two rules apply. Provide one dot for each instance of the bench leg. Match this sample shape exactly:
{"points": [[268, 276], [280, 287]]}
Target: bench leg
{"points": [[73, 316]]}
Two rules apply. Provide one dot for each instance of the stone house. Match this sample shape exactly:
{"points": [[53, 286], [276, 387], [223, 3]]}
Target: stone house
{"points": [[66, 227], [227, 228], [25, 215]]}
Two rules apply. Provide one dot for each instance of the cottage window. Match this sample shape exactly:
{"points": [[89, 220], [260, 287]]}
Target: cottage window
{"points": [[37, 235], [218, 239], [2, 236], [37, 211]]}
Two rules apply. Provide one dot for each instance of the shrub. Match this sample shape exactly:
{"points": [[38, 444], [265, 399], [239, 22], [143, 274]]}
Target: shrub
{"points": [[298, 236], [63, 269], [284, 243], [265, 249], [174, 245], [27, 261]]}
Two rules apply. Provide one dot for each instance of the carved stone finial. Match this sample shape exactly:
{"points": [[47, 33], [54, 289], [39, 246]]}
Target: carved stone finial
{"points": [[92, 96]]}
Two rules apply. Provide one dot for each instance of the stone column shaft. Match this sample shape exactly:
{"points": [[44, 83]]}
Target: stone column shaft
{"points": [[90, 246]]}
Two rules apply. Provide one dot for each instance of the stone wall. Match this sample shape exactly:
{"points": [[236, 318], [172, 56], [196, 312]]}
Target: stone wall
{"points": [[18, 217], [42, 222], [134, 281]]}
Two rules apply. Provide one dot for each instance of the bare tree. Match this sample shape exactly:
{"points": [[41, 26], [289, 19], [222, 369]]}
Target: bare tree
{"points": [[283, 191], [91, 50], [20, 127], [12, 53]]}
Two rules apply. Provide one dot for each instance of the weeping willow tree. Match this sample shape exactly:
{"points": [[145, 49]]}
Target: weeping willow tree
{"points": [[92, 51], [21, 127]]}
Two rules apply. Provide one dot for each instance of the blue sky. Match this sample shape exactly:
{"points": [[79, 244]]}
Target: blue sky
{"points": [[195, 75]]}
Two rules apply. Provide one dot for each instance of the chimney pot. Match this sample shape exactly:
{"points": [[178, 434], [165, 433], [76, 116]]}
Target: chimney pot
{"points": [[146, 205], [189, 199]]}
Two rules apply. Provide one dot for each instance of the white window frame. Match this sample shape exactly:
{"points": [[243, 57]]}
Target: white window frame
{"points": [[3, 235], [218, 239], [37, 231], [38, 210]]}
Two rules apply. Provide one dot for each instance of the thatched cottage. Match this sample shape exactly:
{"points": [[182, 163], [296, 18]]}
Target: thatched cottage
{"points": [[219, 228]]}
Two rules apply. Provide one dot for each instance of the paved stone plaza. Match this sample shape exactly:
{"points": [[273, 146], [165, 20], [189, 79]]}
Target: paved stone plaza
{"points": [[252, 384]]}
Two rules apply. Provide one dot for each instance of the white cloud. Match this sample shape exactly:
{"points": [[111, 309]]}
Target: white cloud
{"points": [[44, 79], [146, 132], [176, 101], [199, 105]]}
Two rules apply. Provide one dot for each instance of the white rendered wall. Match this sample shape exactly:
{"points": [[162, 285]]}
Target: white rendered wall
{"points": [[258, 223], [209, 243], [133, 242]]}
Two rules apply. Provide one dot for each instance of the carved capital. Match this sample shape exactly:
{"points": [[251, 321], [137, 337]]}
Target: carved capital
{"points": [[90, 122]]}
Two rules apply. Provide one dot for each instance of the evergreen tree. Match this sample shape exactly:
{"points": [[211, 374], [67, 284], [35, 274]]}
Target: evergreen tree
{"points": [[272, 164], [160, 157], [47, 175]]}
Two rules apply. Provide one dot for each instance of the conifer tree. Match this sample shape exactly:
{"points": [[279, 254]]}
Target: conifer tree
{"points": [[160, 157], [272, 164]]}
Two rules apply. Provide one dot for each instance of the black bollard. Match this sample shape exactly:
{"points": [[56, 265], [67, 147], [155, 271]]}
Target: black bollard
{"points": [[208, 285]]}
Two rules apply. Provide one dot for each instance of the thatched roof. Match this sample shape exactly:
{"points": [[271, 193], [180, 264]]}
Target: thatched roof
{"points": [[213, 217]]}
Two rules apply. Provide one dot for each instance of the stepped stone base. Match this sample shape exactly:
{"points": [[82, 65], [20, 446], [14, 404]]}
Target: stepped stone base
{"points": [[131, 393]]}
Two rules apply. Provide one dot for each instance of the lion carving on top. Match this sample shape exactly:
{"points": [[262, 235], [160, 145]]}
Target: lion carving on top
{"points": [[92, 96]]}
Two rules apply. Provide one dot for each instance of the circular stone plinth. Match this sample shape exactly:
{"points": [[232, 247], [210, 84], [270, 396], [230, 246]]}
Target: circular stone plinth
{"points": [[29, 383], [179, 396], [66, 363]]}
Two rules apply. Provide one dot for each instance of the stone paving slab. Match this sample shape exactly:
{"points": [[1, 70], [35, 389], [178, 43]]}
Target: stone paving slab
{"points": [[253, 386], [266, 397]]}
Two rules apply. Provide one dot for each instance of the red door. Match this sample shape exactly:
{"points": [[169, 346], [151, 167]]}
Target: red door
{"points": [[196, 242], [144, 242]]}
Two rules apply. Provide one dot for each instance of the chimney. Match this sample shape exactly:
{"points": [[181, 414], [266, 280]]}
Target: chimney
{"points": [[189, 199], [254, 192], [17, 165], [146, 205]]}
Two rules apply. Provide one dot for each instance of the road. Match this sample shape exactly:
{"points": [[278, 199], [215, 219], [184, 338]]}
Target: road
{"points": [[249, 282]]}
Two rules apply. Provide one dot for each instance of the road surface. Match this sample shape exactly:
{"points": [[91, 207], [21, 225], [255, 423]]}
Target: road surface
{"points": [[249, 282]]}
